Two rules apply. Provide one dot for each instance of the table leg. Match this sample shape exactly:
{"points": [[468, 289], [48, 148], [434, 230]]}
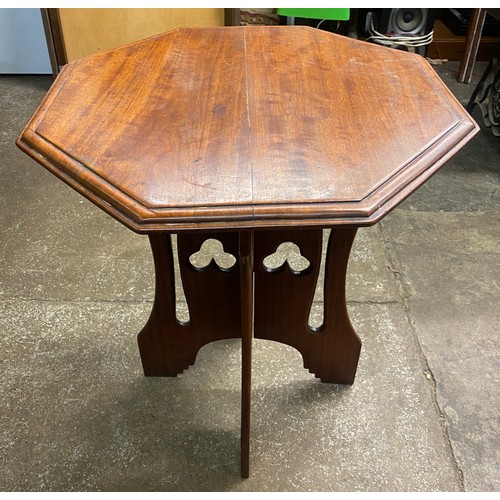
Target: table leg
{"points": [[247, 320], [282, 303], [472, 45], [169, 346], [283, 300], [337, 354], [249, 296]]}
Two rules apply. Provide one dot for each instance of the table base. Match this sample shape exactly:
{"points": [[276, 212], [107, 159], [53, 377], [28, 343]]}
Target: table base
{"points": [[255, 295]]}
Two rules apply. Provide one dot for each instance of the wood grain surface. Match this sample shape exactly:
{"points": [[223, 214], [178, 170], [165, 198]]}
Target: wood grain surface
{"points": [[256, 126], [169, 346], [246, 257], [283, 300]]}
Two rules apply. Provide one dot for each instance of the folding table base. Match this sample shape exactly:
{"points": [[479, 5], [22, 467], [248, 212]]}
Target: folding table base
{"points": [[247, 289]]}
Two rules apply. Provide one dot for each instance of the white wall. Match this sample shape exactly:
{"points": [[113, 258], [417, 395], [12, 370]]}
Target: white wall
{"points": [[23, 48]]}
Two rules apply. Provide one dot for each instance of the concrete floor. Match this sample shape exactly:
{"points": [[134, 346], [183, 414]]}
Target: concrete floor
{"points": [[77, 414]]}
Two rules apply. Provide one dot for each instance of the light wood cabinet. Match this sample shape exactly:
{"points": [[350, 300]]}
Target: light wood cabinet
{"points": [[87, 31]]}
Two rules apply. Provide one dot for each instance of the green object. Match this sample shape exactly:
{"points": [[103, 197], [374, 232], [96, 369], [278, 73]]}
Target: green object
{"points": [[334, 14]]}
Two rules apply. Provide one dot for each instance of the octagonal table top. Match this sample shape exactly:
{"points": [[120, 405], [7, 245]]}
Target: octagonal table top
{"points": [[247, 127]]}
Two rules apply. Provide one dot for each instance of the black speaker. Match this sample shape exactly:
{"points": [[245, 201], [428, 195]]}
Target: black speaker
{"points": [[407, 28]]}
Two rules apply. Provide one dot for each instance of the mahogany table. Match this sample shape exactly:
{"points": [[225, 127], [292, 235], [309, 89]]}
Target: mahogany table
{"points": [[252, 136]]}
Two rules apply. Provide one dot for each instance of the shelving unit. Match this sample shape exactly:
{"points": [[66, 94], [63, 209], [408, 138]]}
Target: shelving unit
{"points": [[447, 45]]}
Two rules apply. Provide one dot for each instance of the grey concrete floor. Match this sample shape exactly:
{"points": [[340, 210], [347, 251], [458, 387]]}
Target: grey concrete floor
{"points": [[77, 414]]}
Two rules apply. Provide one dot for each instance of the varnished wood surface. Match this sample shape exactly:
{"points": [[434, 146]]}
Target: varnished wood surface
{"points": [[222, 303], [246, 256], [283, 300], [249, 299], [240, 127], [166, 345]]}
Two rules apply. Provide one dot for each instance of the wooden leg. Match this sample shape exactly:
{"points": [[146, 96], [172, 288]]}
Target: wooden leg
{"points": [[222, 302], [340, 343], [166, 345], [283, 299], [472, 44], [247, 317]]}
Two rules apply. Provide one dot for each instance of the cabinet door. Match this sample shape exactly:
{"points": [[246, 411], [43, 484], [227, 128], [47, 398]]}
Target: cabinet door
{"points": [[87, 31]]}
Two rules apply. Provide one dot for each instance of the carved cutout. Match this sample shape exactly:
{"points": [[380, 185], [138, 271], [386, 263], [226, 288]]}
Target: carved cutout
{"points": [[317, 312], [210, 251], [287, 253], [181, 305]]}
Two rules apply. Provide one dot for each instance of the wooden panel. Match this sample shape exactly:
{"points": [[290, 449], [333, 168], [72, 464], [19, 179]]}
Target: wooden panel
{"points": [[195, 131], [167, 346], [56, 33], [51, 45], [447, 45], [314, 105], [88, 31], [283, 299]]}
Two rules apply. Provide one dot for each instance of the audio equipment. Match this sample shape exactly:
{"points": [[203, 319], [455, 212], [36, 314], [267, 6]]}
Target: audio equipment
{"points": [[408, 29]]}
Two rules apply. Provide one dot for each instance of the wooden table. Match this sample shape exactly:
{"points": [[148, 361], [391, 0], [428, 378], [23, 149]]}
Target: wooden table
{"points": [[252, 136]]}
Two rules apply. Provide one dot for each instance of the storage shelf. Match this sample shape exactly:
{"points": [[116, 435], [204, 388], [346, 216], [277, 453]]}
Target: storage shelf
{"points": [[447, 45]]}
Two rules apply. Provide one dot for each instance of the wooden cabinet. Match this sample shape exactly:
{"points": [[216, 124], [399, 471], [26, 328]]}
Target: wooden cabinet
{"points": [[447, 45], [87, 31]]}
